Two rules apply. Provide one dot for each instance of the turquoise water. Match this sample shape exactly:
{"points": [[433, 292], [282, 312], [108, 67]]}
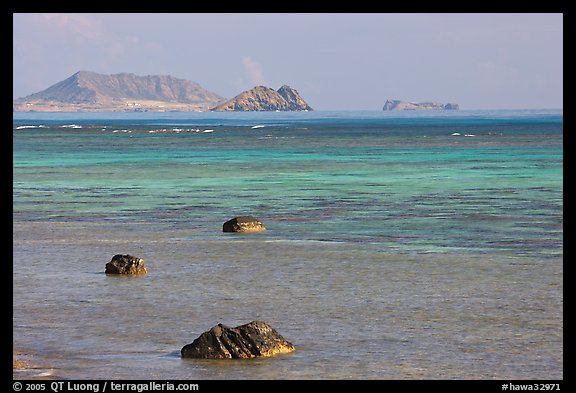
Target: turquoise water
{"points": [[395, 249]]}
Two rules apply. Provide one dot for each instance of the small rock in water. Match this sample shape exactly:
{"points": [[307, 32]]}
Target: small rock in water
{"points": [[243, 224], [255, 339], [125, 264]]}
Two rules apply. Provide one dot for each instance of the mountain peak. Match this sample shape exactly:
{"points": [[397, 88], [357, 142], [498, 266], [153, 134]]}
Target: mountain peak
{"points": [[84, 73]]}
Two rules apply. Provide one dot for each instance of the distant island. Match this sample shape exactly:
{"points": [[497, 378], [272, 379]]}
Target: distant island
{"points": [[92, 92], [262, 98], [397, 105], [87, 91]]}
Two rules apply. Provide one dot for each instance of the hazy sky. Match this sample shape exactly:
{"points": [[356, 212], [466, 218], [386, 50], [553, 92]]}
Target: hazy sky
{"points": [[336, 61]]}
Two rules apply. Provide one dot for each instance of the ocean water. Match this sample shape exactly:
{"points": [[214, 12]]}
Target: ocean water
{"points": [[402, 245]]}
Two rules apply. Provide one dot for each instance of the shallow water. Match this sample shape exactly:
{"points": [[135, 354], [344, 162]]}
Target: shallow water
{"points": [[394, 249]]}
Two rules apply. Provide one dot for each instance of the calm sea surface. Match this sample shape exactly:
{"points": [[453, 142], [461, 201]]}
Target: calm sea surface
{"points": [[399, 245]]}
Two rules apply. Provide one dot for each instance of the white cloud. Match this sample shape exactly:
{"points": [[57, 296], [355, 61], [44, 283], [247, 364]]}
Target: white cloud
{"points": [[254, 71], [77, 25]]}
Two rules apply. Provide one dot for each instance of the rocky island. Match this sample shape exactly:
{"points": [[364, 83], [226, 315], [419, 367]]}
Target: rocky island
{"points": [[397, 105], [92, 92], [262, 98]]}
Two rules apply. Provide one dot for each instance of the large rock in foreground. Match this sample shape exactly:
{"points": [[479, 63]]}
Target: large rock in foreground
{"points": [[125, 264], [254, 339], [243, 224]]}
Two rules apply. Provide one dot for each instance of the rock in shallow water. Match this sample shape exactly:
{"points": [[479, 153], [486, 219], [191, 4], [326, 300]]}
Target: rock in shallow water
{"points": [[126, 264], [243, 224], [255, 339]]}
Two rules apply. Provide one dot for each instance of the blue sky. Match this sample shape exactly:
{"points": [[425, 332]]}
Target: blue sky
{"points": [[336, 61]]}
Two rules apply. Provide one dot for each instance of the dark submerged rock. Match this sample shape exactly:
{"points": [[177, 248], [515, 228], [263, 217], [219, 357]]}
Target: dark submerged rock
{"points": [[255, 339], [243, 224], [126, 264]]}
